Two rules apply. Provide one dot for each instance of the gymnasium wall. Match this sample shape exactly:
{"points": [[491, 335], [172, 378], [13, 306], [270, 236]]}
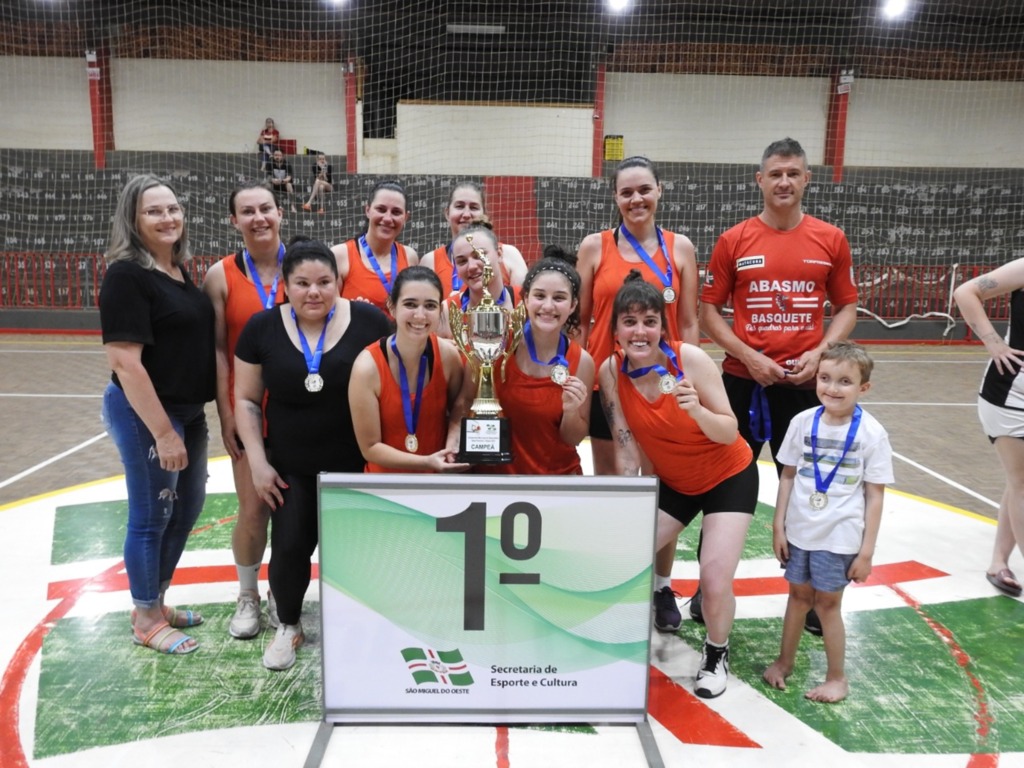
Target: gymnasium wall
{"points": [[219, 106], [182, 106]]}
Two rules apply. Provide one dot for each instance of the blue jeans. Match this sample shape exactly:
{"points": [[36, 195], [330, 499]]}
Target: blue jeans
{"points": [[162, 506]]}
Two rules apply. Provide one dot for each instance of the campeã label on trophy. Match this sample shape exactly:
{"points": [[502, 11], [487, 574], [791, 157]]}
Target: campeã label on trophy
{"points": [[484, 334]]}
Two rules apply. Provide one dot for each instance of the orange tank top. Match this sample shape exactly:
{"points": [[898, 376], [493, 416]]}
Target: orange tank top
{"points": [[432, 429], [684, 457], [362, 282], [243, 301], [608, 279], [534, 411]]}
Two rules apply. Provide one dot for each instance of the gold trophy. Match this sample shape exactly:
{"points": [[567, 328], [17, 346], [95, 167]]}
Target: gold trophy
{"points": [[484, 334]]}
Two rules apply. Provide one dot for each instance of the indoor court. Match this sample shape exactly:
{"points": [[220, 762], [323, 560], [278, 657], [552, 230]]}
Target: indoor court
{"points": [[936, 678], [909, 113]]}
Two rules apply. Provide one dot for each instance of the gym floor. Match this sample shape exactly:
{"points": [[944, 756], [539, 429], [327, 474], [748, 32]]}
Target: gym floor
{"points": [[933, 651]]}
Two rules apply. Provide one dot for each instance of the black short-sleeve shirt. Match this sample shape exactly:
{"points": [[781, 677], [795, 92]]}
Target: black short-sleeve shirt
{"points": [[174, 323], [309, 432]]}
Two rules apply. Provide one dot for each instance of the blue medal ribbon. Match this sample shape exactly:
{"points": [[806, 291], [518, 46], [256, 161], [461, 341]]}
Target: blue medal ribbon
{"points": [[376, 264], [313, 357], [666, 276], [410, 411], [558, 359], [821, 486], [267, 300], [760, 416], [657, 367], [456, 280]]}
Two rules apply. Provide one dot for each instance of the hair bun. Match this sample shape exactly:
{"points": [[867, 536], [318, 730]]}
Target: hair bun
{"points": [[633, 276], [553, 251]]}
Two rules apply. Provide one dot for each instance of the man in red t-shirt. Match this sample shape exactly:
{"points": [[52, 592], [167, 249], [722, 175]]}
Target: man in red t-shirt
{"points": [[778, 268]]}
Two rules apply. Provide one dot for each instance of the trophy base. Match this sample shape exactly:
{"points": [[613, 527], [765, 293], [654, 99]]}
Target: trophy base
{"points": [[485, 440]]}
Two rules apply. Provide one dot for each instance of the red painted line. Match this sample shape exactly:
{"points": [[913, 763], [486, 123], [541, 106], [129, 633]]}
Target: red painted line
{"points": [[501, 747], [982, 716], [688, 718], [885, 575], [983, 761], [116, 580], [11, 753]]}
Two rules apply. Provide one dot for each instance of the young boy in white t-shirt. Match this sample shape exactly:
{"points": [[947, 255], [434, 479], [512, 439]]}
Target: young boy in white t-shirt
{"points": [[837, 461]]}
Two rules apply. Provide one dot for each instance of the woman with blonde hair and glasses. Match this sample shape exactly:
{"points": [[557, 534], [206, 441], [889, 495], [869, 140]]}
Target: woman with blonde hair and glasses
{"points": [[158, 335]]}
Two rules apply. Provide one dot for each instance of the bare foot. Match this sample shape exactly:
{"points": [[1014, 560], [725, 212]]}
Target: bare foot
{"points": [[829, 692], [777, 672]]}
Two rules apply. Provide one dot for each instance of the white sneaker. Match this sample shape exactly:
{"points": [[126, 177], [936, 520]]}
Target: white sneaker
{"points": [[713, 673], [246, 621], [280, 654], [272, 610]]}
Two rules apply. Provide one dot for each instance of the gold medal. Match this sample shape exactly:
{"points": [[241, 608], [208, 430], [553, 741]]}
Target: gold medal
{"points": [[559, 374], [818, 500], [314, 382], [411, 443], [669, 294], [667, 383]]}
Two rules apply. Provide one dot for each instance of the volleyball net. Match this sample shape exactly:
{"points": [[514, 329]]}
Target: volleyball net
{"points": [[910, 124]]}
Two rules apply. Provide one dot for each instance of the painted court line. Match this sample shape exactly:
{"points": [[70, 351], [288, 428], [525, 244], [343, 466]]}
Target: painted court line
{"points": [[52, 460], [946, 480]]}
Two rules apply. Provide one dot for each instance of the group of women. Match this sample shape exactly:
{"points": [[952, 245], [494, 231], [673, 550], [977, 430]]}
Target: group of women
{"points": [[335, 359]]}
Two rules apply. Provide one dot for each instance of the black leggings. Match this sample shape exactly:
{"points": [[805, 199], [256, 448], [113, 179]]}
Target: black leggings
{"points": [[293, 538]]}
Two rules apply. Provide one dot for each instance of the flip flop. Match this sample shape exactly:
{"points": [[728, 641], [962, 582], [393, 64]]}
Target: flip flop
{"points": [[159, 635], [1005, 582]]}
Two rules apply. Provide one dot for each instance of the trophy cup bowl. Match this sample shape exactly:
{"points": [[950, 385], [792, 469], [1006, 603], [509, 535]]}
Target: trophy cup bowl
{"points": [[484, 334]]}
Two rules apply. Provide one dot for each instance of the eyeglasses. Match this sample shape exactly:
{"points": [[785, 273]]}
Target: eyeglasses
{"points": [[174, 211]]}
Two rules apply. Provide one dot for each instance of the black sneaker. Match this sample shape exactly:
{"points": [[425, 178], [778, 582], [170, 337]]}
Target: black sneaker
{"points": [[713, 673], [697, 606], [666, 611], [812, 624]]}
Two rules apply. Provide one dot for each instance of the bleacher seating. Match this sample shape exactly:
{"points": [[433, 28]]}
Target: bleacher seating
{"points": [[909, 231]]}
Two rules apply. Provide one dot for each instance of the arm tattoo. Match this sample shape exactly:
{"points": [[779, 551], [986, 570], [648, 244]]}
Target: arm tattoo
{"points": [[986, 283], [609, 410], [624, 438]]}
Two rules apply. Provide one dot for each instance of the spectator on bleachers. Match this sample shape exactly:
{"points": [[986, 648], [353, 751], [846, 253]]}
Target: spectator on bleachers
{"points": [[267, 143], [279, 174], [323, 183]]}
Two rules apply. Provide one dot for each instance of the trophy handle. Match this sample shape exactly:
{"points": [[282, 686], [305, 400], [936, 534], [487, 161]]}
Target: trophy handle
{"points": [[457, 325], [517, 320]]}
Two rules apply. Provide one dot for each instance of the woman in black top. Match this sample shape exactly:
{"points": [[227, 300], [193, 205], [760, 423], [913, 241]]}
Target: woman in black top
{"points": [[301, 354], [158, 336]]}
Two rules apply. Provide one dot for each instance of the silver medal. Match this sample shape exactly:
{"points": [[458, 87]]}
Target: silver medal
{"points": [[819, 500], [314, 382], [411, 443], [667, 383], [559, 374], [669, 294]]}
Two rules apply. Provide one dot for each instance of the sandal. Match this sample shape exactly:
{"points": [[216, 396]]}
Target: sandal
{"points": [[160, 639], [1005, 582], [179, 618]]}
